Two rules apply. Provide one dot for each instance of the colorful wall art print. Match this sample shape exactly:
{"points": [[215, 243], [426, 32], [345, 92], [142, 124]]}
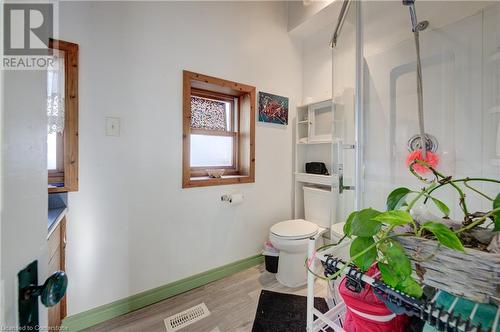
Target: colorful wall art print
{"points": [[273, 108]]}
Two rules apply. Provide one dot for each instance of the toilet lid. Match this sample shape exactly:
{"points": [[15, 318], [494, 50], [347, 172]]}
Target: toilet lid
{"points": [[294, 229]]}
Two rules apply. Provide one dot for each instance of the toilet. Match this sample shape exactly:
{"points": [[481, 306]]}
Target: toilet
{"points": [[291, 237]]}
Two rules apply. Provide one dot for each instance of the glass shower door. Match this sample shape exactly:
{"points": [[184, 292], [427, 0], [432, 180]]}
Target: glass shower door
{"points": [[461, 75], [343, 96]]}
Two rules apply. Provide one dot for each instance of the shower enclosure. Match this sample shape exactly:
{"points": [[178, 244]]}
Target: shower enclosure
{"points": [[374, 88]]}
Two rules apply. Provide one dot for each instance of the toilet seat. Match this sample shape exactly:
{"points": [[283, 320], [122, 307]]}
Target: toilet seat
{"points": [[295, 229]]}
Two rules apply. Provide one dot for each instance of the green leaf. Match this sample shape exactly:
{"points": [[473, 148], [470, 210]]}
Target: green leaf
{"points": [[408, 285], [444, 235], [396, 198], [496, 204], [388, 274], [441, 206], [357, 246], [397, 259], [394, 218], [411, 287], [363, 224], [347, 225]]}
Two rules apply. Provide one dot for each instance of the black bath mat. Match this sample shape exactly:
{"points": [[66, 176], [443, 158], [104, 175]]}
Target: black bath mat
{"points": [[278, 312]]}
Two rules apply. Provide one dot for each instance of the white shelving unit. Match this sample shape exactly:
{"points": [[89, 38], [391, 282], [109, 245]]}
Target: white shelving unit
{"points": [[314, 143]]}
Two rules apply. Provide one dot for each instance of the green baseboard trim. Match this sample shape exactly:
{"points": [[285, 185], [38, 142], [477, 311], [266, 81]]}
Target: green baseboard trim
{"points": [[106, 312]]}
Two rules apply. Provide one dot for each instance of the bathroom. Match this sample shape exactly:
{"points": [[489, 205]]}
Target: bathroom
{"points": [[142, 235]]}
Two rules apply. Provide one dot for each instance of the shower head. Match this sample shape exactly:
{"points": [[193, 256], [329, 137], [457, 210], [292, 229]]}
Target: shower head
{"points": [[415, 25]]}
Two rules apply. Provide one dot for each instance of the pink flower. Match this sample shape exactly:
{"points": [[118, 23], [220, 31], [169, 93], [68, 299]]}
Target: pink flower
{"points": [[431, 159]]}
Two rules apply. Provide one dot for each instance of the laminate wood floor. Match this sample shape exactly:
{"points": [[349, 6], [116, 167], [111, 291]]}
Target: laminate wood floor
{"points": [[232, 303]]}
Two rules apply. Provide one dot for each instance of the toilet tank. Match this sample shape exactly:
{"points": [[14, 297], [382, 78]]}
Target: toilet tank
{"points": [[318, 206]]}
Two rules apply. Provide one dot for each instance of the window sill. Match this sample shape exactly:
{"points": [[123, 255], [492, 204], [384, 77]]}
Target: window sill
{"points": [[205, 181]]}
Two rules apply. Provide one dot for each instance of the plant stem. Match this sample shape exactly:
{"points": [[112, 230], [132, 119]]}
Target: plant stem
{"points": [[465, 180], [424, 191], [479, 221], [477, 191], [438, 175]]}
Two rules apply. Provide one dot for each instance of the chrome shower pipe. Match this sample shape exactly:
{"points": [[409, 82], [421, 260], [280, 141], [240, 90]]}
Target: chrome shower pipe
{"points": [[340, 22], [416, 27]]}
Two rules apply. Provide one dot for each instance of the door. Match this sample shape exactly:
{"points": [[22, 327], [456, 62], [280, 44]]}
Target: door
{"points": [[24, 185], [344, 114]]}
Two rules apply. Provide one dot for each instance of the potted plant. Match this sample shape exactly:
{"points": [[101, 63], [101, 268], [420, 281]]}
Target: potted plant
{"points": [[411, 248]]}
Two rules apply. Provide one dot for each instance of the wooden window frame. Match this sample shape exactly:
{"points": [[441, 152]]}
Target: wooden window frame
{"points": [[232, 92], [68, 173]]}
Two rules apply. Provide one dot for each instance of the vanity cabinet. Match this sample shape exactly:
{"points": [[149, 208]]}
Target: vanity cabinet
{"points": [[57, 249]]}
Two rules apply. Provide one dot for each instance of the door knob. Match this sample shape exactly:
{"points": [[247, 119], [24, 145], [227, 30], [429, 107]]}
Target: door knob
{"points": [[51, 293]]}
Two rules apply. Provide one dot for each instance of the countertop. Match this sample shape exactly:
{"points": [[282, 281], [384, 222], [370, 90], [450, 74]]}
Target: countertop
{"points": [[57, 209]]}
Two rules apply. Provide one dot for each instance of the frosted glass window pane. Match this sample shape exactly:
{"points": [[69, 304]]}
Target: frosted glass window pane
{"points": [[52, 151], [209, 114], [211, 151], [323, 121]]}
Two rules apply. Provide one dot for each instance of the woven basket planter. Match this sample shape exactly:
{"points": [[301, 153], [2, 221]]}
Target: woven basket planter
{"points": [[474, 274]]}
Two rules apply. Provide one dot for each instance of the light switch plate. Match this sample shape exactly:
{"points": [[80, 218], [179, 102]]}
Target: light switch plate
{"points": [[112, 126]]}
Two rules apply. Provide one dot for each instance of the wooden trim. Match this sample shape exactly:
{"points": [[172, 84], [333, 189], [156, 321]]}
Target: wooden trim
{"points": [[86, 319], [186, 128], [70, 136], [62, 245], [225, 180], [56, 176], [252, 136], [242, 88], [237, 153], [191, 176]]}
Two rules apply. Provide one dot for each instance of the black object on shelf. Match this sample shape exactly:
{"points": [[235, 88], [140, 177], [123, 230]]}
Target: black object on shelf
{"points": [[316, 168]]}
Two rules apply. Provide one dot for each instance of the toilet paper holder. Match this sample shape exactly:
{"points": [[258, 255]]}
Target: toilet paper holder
{"points": [[231, 198]]}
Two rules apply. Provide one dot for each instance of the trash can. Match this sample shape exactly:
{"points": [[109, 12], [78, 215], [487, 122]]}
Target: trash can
{"points": [[271, 257]]}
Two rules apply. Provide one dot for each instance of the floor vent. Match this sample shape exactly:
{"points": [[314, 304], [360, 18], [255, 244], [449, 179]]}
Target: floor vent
{"points": [[186, 317]]}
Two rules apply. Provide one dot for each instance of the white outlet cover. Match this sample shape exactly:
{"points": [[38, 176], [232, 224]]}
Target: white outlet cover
{"points": [[112, 126]]}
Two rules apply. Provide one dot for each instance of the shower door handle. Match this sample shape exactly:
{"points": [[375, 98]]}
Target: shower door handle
{"points": [[341, 185], [340, 165]]}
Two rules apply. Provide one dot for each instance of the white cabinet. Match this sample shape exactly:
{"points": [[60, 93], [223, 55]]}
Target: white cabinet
{"points": [[320, 122], [315, 123], [314, 138]]}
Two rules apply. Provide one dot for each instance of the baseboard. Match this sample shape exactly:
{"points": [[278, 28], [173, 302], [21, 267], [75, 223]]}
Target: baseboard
{"points": [[106, 312]]}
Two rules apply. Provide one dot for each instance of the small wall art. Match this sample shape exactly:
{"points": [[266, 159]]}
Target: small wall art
{"points": [[273, 108]]}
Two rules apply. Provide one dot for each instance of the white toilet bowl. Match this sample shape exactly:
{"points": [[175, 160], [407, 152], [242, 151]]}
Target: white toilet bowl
{"points": [[291, 238]]}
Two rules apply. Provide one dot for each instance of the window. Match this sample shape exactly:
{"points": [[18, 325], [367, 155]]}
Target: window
{"points": [[62, 117], [218, 131], [213, 134]]}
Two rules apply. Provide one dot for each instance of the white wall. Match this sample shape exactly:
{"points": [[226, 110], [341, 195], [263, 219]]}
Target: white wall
{"points": [[300, 12], [24, 184], [131, 227]]}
